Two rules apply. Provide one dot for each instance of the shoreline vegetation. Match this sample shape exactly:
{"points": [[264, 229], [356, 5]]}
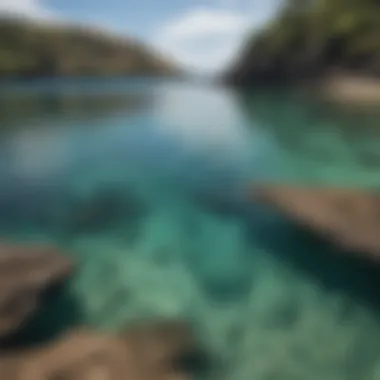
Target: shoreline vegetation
{"points": [[330, 45], [32, 50]]}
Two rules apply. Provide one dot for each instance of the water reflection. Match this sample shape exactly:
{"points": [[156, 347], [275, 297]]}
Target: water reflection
{"points": [[209, 117], [152, 203], [186, 137], [18, 108]]}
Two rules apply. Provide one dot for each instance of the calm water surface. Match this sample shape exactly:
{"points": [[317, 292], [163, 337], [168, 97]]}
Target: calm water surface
{"points": [[145, 184]]}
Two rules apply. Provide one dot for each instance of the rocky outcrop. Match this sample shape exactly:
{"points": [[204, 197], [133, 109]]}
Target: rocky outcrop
{"points": [[146, 352], [349, 218], [163, 350], [352, 90], [27, 274], [102, 209]]}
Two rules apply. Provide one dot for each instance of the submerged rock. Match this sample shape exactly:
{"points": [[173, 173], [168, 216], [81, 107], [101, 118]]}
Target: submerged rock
{"points": [[27, 274], [104, 208], [144, 352], [224, 205], [347, 217]]}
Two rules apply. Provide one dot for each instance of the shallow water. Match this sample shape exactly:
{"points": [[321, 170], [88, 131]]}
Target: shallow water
{"points": [[145, 184]]}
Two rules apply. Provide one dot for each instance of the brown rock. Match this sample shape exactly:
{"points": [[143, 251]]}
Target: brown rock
{"points": [[350, 218], [143, 353], [26, 274], [352, 90]]}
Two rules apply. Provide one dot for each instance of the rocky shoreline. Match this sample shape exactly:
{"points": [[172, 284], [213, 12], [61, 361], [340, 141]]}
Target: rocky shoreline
{"points": [[146, 351], [344, 89], [351, 90], [348, 218]]}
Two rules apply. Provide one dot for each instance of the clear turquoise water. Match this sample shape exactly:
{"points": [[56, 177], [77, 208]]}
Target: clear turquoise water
{"points": [[144, 184]]}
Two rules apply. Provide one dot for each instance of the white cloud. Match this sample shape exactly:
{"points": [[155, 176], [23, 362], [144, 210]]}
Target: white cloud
{"points": [[205, 22], [208, 39], [27, 8], [203, 38]]}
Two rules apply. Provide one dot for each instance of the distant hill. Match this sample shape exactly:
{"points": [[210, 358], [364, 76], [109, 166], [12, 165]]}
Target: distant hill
{"points": [[28, 49], [309, 38]]}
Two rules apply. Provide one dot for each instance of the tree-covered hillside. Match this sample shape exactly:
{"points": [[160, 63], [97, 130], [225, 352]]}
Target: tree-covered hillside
{"points": [[308, 38], [29, 49]]}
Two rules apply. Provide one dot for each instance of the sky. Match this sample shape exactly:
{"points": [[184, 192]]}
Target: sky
{"points": [[203, 35]]}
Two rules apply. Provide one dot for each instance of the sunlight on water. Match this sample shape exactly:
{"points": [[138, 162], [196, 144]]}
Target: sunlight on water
{"points": [[150, 201]]}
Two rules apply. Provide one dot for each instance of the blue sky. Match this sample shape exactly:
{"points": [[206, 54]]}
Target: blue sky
{"points": [[201, 34]]}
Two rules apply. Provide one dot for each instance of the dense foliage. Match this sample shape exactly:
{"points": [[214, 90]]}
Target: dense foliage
{"points": [[310, 37], [28, 49]]}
